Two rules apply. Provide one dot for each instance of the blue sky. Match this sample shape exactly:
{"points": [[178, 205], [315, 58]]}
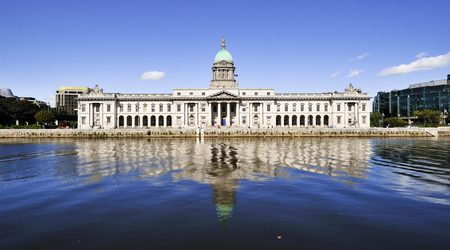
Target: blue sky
{"points": [[292, 46]]}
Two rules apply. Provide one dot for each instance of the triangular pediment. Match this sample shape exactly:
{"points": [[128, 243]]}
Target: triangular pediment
{"points": [[223, 95]]}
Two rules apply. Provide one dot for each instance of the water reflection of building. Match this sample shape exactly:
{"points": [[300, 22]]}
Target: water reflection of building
{"points": [[222, 163]]}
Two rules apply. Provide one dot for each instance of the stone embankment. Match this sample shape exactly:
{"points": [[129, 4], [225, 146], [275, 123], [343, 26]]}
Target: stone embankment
{"points": [[223, 132]]}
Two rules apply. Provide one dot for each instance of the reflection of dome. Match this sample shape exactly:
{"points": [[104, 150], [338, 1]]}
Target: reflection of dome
{"points": [[223, 55], [6, 93]]}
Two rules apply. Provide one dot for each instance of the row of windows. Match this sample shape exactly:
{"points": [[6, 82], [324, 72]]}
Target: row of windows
{"points": [[203, 108], [204, 93], [244, 119]]}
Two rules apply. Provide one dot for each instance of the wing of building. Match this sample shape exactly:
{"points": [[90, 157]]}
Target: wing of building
{"points": [[224, 103]]}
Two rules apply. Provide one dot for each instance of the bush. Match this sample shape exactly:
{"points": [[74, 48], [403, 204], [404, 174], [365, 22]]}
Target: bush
{"points": [[394, 122], [44, 117], [428, 118]]}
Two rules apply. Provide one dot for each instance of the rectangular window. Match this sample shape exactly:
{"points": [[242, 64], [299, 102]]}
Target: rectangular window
{"points": [[318, 107], [169, 108], [129, 108], [161, 108], [191, 93], [302, 107], [203, 107], [121, 108], [286, 107], [243, 93], [364, 107], [268, 93], [83, 108], [153, 107], [349, 108], [83, 120], [178, 107], [137, 107], [256, 93], [268, 107], [294, 107], [97, 108], [244, 109], [310, 107], [364, 119], [108, 108], [178, 93], [278, 107], [191, 108], [325, 107], [255, 108], [244, 119], [338, 119], [338, 107], [108, 119], [145, 108], [203, 93]]}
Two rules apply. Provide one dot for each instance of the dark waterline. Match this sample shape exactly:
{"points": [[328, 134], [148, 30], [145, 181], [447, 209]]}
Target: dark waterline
{"points": [[306, 193]]}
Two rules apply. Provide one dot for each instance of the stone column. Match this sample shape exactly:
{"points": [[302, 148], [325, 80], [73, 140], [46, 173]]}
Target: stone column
{"points": [[238, 117], [219, 113], [263, 120], [345, 114], [228, 114]]}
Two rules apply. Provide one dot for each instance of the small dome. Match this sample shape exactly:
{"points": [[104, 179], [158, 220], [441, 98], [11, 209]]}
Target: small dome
{"points": [[223, 55], [6, 93]]}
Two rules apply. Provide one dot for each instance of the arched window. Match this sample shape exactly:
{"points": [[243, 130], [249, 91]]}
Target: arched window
{"points": [[310, 120], [129, 121], [302, 120], [169, 121], [294, 120], [161, 121], [137, 121], [326, 120], [121, 121], [145, 121], [152, 121], [318, 118], [286, 120], [278, 120]]}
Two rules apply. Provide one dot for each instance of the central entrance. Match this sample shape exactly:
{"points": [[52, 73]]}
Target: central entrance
{"points": [[224, 113]]}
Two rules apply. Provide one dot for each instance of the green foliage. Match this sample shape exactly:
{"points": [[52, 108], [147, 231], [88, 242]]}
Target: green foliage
{"points": [[394, 122], [12, 110], [375, 119], [44, 117], [428, 118], [73, 124]]}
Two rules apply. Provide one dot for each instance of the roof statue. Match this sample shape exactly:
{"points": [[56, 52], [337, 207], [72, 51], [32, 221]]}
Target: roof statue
{"points": [[351, 89]]}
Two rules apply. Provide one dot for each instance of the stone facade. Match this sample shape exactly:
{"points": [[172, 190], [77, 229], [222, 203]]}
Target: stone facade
{"points": [[224, 104]]}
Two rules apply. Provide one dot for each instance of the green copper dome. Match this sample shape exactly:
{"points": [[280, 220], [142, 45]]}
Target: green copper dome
{"points": [[223, 55]]}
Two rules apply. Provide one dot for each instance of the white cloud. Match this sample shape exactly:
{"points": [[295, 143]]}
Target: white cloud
{"points": [[354, 72], [360, 57], [334, 74], [152, 75], [425, 63], [422, 54]]}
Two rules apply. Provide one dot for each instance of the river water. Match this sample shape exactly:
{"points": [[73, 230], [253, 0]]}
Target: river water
{"points": [[306, 193]]}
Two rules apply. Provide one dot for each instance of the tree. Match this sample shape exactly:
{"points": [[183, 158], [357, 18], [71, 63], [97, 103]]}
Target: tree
{"points": [[375, 119], [394, 122], [428, 118], [44, 117]]}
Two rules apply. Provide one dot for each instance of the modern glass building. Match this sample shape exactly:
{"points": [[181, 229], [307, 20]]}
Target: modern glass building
{"points": [[434, 95]]}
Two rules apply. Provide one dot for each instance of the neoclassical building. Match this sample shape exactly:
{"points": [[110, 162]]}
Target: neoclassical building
{"points": [[224, 104]]}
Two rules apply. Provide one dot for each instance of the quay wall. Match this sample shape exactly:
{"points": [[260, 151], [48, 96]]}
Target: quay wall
{"points": [[223, 132]]}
